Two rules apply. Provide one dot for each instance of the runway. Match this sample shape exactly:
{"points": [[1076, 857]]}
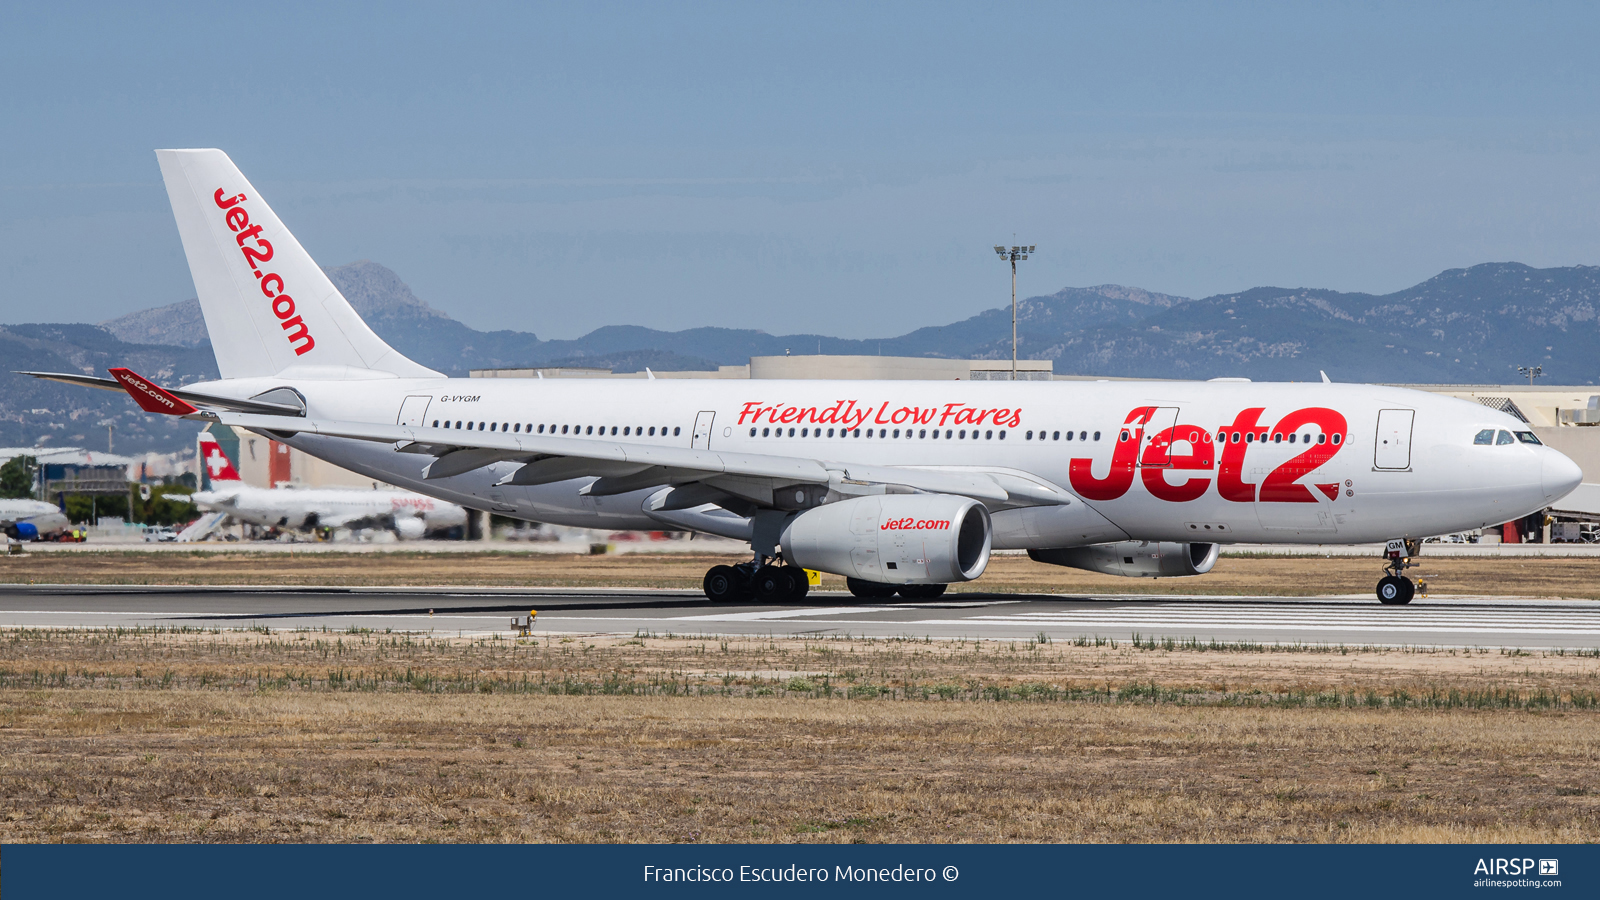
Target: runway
{"points": [[1354, 621]]}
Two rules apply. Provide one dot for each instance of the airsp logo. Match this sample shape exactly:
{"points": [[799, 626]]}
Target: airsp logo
{"points": [[1549, 867], [1513, 867]]}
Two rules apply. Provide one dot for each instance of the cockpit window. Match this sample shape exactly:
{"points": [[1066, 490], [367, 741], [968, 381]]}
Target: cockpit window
{"points": [[1484, 437], [1505, 438], [1527, 437]]}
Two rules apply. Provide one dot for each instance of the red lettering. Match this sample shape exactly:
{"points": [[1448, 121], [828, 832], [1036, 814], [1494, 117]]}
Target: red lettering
{"points": [[283, 306], [879, 419], [949, 410], [224, 204], [299, 332], [1229, 485], [1281, 485], [237, 218], [1120, 478], [789, 415], [751, 408], [269, 277], [1157, 462], [250, 232]]}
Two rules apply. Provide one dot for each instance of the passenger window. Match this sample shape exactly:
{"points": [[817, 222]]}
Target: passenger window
{"points": [[1527, 437], [675, 431], [1082, 433], [1505, 438], [1056, 435]]}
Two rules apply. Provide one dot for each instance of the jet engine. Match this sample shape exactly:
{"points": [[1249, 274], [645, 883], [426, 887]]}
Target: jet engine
{"points": [[893, 538], [409, 528], [1134, 559]]}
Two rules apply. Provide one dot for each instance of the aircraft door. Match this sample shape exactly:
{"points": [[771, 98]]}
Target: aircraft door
{"points": [[702, 430], [1157, 449], [1392, 448], [413, 411]]}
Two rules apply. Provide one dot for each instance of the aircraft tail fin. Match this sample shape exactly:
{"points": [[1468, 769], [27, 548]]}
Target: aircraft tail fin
{"points": [[267, 306], [218, 467]]}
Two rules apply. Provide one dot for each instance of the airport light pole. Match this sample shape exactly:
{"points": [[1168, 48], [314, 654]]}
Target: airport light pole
{"points": [[1531, 373], [1011, 255]]}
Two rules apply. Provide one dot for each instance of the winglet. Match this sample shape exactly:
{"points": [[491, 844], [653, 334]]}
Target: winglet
{"points": [[149, 397], [1324, 375]]}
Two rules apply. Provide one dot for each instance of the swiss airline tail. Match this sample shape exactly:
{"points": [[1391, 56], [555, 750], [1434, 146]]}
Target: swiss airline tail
{"points": [[267, 305], [218, 466]]}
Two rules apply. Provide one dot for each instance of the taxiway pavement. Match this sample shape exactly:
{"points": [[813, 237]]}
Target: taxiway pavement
{"points": [[1349, 620]]}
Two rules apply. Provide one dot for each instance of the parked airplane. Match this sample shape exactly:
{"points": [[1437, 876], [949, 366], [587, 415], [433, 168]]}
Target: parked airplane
{"points": [[30, 520], [408, 515], [899, 486]]}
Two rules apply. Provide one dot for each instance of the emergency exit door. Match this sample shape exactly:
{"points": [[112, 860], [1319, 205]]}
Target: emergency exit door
{"points": [[1392, 448], [413, 411], [702, 430]]}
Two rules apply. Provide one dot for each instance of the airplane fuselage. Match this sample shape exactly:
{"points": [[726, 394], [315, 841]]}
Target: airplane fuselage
{"points": [[1170, 461]]}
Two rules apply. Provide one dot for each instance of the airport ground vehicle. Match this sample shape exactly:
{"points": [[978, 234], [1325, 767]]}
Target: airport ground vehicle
{"points": [[900, 486]]}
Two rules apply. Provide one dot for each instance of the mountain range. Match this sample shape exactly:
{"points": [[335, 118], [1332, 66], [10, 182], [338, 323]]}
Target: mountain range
{"points": [[1473, 325]]}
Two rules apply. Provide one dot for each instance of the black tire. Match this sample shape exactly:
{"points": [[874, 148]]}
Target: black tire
{"points": [[723, 584], [798, 585], [922, 591], [1394, 590], [771, 584], [869, 590]]}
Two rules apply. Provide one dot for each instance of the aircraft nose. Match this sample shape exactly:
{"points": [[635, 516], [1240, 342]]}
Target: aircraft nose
{"points": [[1559, 475]]}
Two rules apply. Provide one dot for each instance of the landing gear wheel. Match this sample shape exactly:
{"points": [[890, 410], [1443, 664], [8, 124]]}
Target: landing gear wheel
{"points": [[799, 585], [1395, 590], [922, 591], [869, 590], [774, 584], [723, 584]]}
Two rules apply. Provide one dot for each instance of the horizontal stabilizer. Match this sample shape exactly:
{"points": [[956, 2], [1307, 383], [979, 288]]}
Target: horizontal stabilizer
{"points": [[204, 401], [149, 396]]}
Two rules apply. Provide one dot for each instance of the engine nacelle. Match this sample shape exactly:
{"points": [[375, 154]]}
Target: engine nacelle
{"points": [[1135, 559], [893, 538], [409, 528]]}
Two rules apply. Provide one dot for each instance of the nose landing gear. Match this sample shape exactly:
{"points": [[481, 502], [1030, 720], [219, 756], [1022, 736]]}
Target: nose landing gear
{"points": [[1395, 589]]}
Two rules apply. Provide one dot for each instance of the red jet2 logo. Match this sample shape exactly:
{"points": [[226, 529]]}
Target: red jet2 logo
{"points": [[271, 283], [1159, 457]]}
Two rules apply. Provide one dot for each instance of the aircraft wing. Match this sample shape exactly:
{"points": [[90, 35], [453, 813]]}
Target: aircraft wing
{"points": [[623, 466]]}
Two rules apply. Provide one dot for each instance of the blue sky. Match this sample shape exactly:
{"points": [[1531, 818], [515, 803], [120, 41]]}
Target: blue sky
{"points": [[840, 168]]}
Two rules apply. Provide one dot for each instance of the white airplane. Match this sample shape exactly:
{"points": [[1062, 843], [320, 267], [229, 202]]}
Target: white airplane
{"points": [[408, 515], [900, 486], [30, 520]]}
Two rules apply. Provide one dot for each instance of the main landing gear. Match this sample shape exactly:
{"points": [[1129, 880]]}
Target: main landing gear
{"points": [[756, 580], [1395, 589]]}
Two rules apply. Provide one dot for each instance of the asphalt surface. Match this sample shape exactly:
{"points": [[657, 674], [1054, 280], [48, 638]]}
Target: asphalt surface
{"points": [[1350, 620]]}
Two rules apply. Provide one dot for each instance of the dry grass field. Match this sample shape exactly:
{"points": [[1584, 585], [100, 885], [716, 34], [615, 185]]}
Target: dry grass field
{"points": [[314, 736], [1291, 576]]}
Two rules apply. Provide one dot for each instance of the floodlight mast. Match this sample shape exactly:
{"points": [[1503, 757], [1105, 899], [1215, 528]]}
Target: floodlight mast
{"points": [[1531, 372], [1011, 255]]}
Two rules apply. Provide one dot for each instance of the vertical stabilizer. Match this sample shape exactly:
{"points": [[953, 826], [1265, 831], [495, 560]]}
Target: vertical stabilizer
{"points": [[215, 465], [267, 305]]}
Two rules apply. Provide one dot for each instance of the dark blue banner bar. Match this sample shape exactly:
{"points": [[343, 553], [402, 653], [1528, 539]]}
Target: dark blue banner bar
{"points": [[304, 872]]}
